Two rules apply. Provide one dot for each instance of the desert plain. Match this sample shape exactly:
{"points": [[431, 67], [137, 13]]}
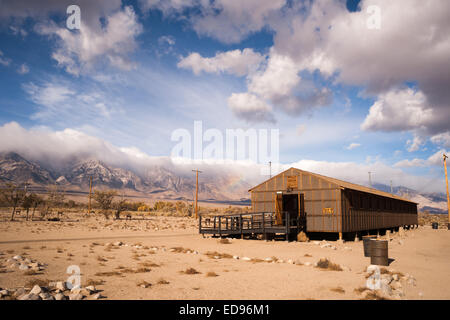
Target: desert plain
{"points": [[164, 257]]}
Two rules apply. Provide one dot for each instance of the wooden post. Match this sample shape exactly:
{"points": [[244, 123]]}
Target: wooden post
{"points": [[200, 224], [90, 192], [264, 226], [220, 227], [287, 225], [196, 192], [241, 226], [448, 198]]}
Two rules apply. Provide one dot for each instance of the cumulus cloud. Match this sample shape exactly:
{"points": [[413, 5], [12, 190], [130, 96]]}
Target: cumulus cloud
{"points": [[250, 107], [353, 145], [414, 145], [228, 21], [442, 139], [236, 62], [399, 110], [79, 51], [435, 159]]}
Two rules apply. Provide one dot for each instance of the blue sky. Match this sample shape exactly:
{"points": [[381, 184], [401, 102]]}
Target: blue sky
{"points": [[336, 94]]}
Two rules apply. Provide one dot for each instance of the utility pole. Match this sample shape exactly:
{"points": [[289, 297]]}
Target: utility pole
{"points": [[370, 179], [90, 192], [196, 192], [446, 183], [391, 187], [270, 169]]}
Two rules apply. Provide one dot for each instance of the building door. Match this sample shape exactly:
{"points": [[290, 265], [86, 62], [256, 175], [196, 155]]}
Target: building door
{"points": [[291, 206]]}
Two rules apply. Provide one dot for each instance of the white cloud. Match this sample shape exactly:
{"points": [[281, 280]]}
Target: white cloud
{"points": [[410, 163], [23, 69], [415, 144], [236, 62], [353, 145], [442, 139], [398, 110], [3, 60], [250, 107], [79, 51], [228, 21], [435, 159], [57, 147], [60, 100]]}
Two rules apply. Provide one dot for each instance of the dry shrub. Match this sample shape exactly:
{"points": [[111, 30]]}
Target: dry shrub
{"points": [[162, 281], [360, 290], [108, 274], [101, 259], [338, 290], [325, 264], [213, 254], [30, 272], [149, 264], [374, 295], [212, 274], [180, 250], [256, 260], [144, 284], [40, 282], [92, 282], [190, 271], [224, 241], [307, 255]]}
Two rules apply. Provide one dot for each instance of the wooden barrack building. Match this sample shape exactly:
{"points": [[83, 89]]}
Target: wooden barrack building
{"points": [[297, 200]]}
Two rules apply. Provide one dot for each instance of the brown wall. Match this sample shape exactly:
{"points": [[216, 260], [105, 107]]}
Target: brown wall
{"points": [[329, 208]]}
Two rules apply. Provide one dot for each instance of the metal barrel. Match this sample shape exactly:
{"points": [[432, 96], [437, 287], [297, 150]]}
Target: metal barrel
{"points": [[435, 225], [366, 244], [379, 252]]}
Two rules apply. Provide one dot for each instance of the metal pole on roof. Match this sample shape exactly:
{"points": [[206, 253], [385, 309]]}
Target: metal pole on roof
{"points": [[370, 180], [270, 169], [391, 187], [448, 198]]}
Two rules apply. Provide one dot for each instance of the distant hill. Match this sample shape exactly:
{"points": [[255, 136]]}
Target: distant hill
{"points": [[159, 182]]}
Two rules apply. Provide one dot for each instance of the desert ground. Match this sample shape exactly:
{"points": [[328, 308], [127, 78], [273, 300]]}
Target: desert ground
{"points": [[159, 257]]}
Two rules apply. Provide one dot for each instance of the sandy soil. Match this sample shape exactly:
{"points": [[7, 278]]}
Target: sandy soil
{"points": [[147, 255]]}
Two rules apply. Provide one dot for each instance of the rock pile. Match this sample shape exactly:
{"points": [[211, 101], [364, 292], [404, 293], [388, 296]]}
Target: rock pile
{"points": [[54, 291], [24, 264], [391, 284]]}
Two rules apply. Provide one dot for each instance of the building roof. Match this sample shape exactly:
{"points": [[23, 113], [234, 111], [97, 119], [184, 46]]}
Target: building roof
{"points": [[343, 184]]}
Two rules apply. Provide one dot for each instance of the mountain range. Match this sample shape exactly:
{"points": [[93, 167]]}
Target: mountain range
{"points": [[158, 182]]}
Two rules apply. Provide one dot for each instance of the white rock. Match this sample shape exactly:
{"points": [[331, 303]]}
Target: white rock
{"points": [[316, 243], [290, 261], [236, 257], [308, 264], [17, 257], [325, 245], [75, 296], [36, 290], [246, 259], [268, 259], [4, 292], [280, 261], [348, 248], [396, 285], [44, 295], [60, 296], [385, 289], [24, 267], [97, 296], [395, 277], [61, 285], [333, 248]]}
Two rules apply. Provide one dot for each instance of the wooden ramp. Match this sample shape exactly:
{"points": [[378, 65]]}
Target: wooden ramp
{"points": [[264, 223]]}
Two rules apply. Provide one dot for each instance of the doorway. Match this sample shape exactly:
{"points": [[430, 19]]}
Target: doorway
{"points": [[294, 203]]}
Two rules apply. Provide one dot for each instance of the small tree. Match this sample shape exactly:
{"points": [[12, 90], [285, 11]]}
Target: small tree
{"points": [[28, 202], [13, 195], [37, 200], [120, 206], [105, 200]]}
